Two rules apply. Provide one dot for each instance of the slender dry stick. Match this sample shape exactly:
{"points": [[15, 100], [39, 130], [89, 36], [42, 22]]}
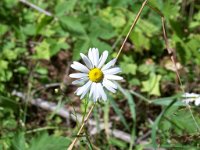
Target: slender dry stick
{"points": [[36, 7], [177, 73], [81, 128], [132, 26], [173, 59]]}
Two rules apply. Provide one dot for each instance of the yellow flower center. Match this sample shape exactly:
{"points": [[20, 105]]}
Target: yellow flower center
{"points": [[96, 75]]}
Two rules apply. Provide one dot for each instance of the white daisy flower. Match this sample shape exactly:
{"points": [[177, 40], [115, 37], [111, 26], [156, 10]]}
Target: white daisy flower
{"points": [[95, 75], [191, 97]]}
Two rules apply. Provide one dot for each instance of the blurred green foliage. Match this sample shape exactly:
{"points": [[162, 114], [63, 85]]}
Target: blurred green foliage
{"points": [[28, 37]]}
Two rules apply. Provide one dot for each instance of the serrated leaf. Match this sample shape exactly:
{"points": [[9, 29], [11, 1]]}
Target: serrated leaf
{"points": [[47, 142], [72, 24], [18, 142], [65, 7]]}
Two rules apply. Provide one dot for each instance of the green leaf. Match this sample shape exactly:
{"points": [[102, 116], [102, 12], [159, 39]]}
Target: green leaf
{"points": [[65, 7], [42, 71], [101, 45], [102, 30], [3, 64], [9, 54], [29, 29], [42, 50], [22, 70], [155, 125], [72, 25], [152, 85], [131, 102], [57, 45], [113, 15], [119, 113], [81, 46], [139, 40], [3, 29], [128, 68], [47, 142], [118, 143], [18, 142], [165, 101], [146, 69]]}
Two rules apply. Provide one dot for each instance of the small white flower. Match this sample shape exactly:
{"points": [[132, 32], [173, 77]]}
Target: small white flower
{"points": [[191, 97], [95, 75]]}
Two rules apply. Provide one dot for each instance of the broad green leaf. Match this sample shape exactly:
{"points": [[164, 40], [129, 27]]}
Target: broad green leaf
{"points": [[113, 15], [102, 30], [72, 25], [140, 41], [41, 70], [3, 29], [171, 9], [47, 142], [128, 68], [29, 29], [42, 50], [18, 142], [152, 85], [101, 45], [65, 7], [81, 46], [22, 70], [146, 69], [57, 45], [3, 64], [9, 54]]}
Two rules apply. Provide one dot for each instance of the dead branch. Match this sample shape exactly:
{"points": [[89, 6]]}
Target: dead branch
{"points": [[49, 106]]}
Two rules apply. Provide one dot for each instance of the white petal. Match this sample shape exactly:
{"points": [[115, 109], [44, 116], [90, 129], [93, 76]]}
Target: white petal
{"points": [[95, 93], [78, 75], [87, 61], [110, 83], [95, 53], [101, 91], [92, 89], [108, 87], [197, 101], [112, 71], [113, 77], [78, 66], [109, 64], [84, 88], [90, 56], [103, 59], [80, 81]]}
